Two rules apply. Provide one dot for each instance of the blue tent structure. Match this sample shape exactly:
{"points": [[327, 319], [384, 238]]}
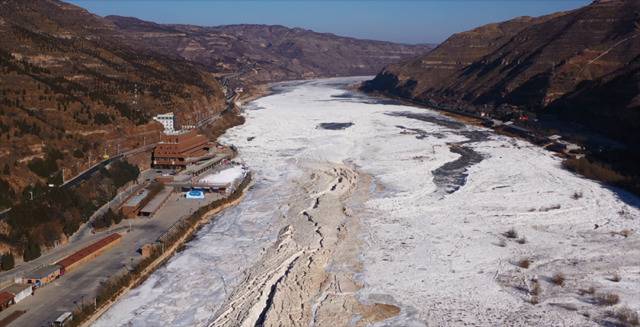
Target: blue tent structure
{"points": [[195, 194]]}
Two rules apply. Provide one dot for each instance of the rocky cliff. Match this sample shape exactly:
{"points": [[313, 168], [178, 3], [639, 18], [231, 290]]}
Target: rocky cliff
{"points": [[581, 66]]}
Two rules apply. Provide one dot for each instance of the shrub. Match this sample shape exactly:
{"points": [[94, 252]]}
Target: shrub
{"points": [[594, 170], [535, 288], [627, 316], [558, 279], [117, 218], [7, 261], [626, 232], [591, 290], [510, 233], [615, 277], [47, 166], [102, 118], [105, 220], [32, 251], [42, 168], [7, 195], [607, 298], [576, 195], [524, 263], [78, 153], [534, 300], [123, 172]]}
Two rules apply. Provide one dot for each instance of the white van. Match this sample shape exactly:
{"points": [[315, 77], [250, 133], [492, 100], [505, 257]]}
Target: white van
{"points": [[63, 320]]}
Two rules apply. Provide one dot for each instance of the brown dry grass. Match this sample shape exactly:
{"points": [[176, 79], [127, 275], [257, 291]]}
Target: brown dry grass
{"points": [[594, 170], [615, 277], [607, 298], [558, 279], [591, 290], [535, 288], [627, 316], [524, 263]]}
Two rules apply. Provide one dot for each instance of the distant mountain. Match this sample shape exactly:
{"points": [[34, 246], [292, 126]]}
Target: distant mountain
{"points": [[581, 66], [266, 53]]}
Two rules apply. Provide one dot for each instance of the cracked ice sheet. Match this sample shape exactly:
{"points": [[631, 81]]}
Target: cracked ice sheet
{"points": [[432, 255]]}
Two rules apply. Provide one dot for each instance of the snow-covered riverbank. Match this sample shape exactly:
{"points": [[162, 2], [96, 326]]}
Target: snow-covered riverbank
{"points": [[431, 234]]}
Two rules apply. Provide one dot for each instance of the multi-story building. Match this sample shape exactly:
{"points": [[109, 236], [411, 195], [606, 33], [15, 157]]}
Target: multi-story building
{"points": [[167, 120], [174, 149]]}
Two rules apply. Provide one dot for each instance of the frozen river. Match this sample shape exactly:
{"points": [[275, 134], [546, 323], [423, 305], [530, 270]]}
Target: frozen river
{"points": [[432, 238]]}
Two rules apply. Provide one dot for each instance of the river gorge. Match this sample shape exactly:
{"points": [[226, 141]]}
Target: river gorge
{"points": [[365, 211]]}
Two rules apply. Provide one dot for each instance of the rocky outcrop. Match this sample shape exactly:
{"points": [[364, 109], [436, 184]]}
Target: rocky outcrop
{"points": [[571, 64]]}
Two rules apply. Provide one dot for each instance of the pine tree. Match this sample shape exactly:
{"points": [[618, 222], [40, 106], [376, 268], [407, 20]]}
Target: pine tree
{"points": [[31, 252], [7, 261]]}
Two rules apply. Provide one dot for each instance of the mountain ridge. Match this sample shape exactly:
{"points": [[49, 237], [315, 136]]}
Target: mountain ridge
{"points": [[255, 53], [544, 67]]}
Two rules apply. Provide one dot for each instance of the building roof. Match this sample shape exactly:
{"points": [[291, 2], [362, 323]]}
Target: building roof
{"points": [[203, 164], [86, 251], [224, 177], [43, 272], [5, 298], [16, 288], [135, 200], [157, 201]]}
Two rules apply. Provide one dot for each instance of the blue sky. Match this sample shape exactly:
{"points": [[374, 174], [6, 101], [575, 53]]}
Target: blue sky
{"points": [[418, 21]]}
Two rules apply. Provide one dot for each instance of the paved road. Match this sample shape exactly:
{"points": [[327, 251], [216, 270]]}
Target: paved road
{"points": [[78, 240], [80, 285], [89, 171]]}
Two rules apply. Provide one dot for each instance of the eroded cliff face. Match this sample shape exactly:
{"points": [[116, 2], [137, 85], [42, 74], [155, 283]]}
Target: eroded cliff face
{"points": [[568, 63], [266, 53], [440, 67]]}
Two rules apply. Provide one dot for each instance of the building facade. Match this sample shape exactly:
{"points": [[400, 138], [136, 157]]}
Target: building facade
{"points": [[42, 276], [173, 150], [168, 121], [19, 291]]}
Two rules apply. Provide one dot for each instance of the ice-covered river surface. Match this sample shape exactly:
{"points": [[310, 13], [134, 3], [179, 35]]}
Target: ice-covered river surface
{"points": [[434, 241]]}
